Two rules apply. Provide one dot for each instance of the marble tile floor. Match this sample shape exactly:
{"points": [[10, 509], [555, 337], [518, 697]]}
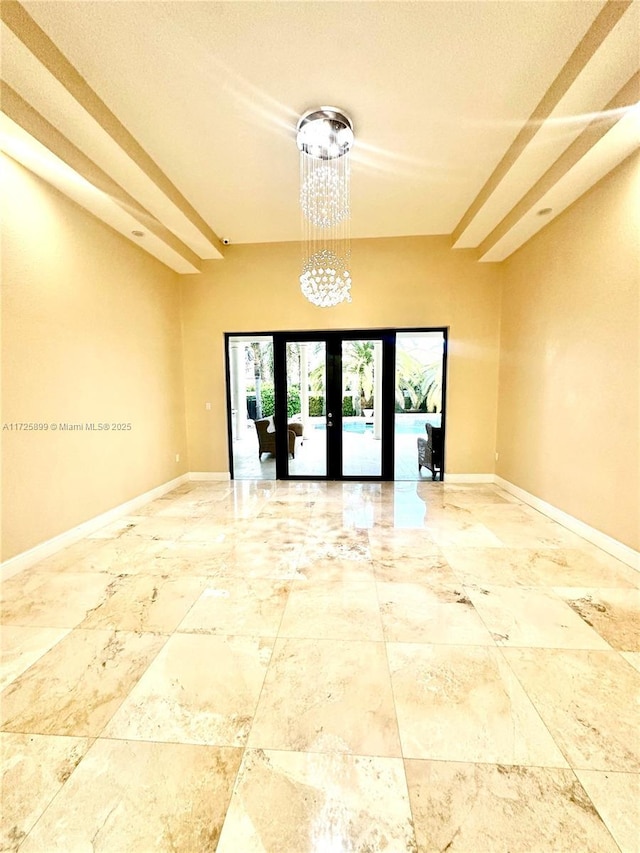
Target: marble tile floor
{"points": [[311, 667]]}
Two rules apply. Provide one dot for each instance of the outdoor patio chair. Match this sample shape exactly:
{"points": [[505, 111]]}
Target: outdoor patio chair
{"points": [[267, 438], [430, 451]]}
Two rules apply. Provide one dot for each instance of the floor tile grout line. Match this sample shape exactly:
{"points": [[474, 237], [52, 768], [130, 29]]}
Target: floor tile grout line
{"points": [[173, 633], [176, 629], [237, 779], [534, 705], [427, 759], [570, 765], [266, 673], [504, 645], [93, 742], [152, 660], [500, 648], [397, 721], [244, 748], [500, 651]]}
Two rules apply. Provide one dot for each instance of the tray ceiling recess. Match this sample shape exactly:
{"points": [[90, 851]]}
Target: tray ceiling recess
{"points": [[481, 121]]}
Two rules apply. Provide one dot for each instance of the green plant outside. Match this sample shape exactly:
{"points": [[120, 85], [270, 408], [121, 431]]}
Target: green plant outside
{"points": [[293, 401], [268, 400], [347, 407], [267, 396], [316, 407]]}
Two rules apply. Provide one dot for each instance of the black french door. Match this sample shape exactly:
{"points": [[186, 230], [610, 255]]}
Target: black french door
{"points": [[343, 382], [341, 405]]}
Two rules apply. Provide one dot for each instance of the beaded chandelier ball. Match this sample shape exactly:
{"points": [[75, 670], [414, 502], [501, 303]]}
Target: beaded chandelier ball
{"points": [[325, 281]]}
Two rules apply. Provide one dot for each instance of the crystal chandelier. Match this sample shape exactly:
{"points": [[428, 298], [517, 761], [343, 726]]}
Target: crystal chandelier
{"points": [[325, 137]]}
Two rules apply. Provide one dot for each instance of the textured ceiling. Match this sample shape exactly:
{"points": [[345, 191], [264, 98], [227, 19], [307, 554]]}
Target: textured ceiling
{"points": [[189, 108]]}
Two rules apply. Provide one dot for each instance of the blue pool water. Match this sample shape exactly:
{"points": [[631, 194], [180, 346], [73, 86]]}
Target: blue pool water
{"points": [[407, 425]]}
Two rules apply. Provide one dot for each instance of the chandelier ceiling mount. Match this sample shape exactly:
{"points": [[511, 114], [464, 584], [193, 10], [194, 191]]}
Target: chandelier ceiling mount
{"points": [[325, 133]]}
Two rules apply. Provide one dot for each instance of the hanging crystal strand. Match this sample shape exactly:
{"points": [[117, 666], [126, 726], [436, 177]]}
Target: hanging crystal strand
{"points": [[347, 228], [325, 206], [303, 225], [340, 231]]}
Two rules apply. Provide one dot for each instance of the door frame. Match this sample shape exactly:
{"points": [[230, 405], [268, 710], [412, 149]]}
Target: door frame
{"points": [[334, 339]]}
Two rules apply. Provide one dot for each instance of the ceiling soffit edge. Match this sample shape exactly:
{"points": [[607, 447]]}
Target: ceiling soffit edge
{"points": [[14, 16], [593, 132], [24, 115], [605, 21]]}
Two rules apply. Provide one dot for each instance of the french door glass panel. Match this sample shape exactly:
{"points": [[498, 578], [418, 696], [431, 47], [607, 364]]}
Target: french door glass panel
{"points": [[251, 399], [307, 408], [361, 408], [418, 396]]}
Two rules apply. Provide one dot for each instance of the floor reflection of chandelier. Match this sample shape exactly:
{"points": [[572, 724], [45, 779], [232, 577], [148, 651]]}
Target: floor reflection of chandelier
{"points": [[325, 138]]}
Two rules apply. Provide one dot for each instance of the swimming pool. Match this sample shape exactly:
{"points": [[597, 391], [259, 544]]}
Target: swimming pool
{"points": [[404, 424]]}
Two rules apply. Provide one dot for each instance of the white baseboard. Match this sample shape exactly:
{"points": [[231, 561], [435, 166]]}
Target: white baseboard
{"points": [[16, 564], [607, 543], [209, 475], [468, 478]]}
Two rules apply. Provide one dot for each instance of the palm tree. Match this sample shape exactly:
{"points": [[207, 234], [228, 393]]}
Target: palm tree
{"points": [[357, 365], [421, 383], [432, 386]]}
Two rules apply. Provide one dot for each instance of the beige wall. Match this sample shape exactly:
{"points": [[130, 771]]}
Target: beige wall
{"points": [[568, 417], [404, 282], [90, 332]]}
